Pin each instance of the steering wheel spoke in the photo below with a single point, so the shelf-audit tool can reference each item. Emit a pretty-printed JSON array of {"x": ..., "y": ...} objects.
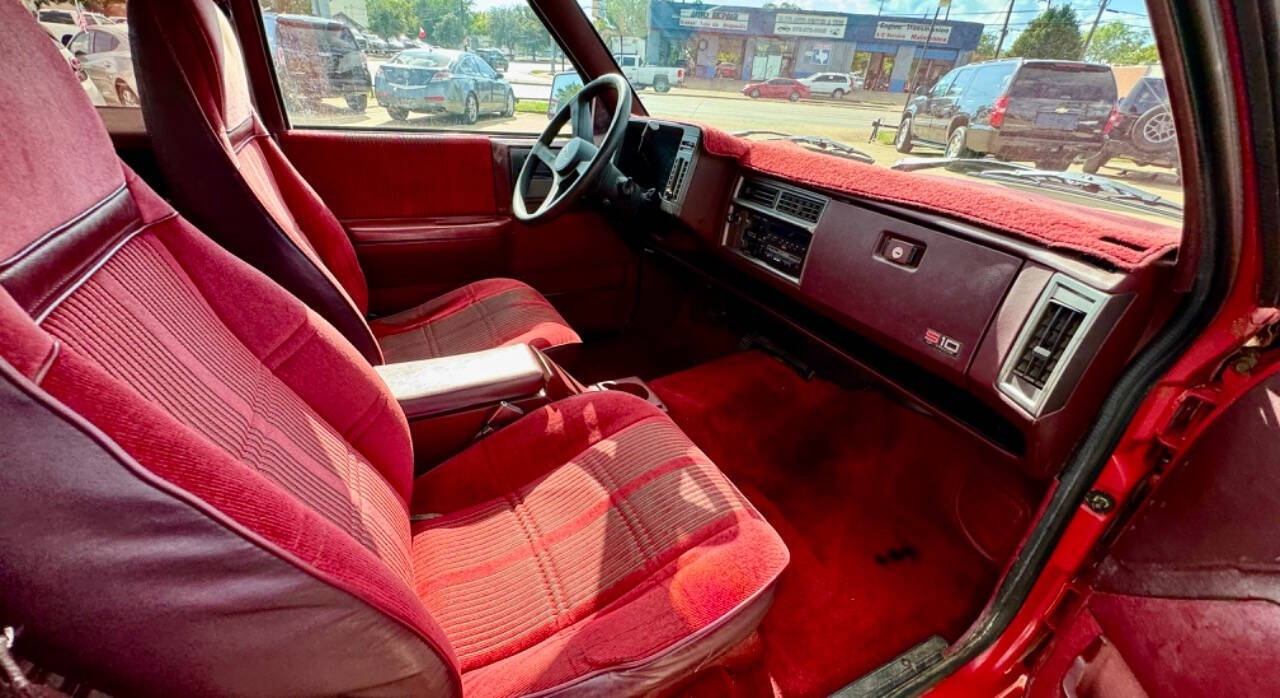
[
  {"x": 543, "y": 153},
  {"x": 580, "y": 121}
]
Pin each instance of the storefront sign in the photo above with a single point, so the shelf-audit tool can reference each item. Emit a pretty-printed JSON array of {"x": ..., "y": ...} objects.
[
  {"x": 715, "y": 20},
  {"x": 913, "y": 31},
  {"x": 820, "y": 54},
  {"x": 825, "y": 26}
]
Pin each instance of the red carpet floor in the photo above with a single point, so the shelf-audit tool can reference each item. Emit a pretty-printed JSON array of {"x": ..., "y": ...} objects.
[{"x": 865, "y": 492}]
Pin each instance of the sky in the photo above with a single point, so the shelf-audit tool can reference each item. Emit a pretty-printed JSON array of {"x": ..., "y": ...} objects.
[{"x": 989, "y": 12}]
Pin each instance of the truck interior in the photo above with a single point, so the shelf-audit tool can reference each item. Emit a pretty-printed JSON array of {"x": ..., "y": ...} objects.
[{"x": 634, "y": 406}]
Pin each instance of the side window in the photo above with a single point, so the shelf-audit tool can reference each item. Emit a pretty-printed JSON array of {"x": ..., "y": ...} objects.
[
  {"x": 941, "y": 88},
  {"x": 357, "y": 68},
  {"x": 963, "y": 79},
  {"x": 82, "y": 44}
]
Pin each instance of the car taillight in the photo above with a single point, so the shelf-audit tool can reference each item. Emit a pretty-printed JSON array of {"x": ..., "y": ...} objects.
[
  {"x": 1112, "y": 121},
  {"x": 679, "y": 73},
  {"x": 997, "y": 111}
]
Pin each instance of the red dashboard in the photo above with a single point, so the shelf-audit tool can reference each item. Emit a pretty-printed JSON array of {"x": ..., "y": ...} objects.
[{"x": 999, "y": 332}]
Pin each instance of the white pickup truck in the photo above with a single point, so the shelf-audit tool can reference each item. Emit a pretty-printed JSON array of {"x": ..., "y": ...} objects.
[{"x": 642, "y": 76}]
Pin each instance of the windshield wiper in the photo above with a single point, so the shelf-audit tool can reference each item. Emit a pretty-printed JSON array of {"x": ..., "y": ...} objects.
[
  {"x": 1076, "y": 184},
  {"x": 825, "y": 145}
]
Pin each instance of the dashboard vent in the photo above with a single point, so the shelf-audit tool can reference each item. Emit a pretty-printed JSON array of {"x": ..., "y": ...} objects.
[
  {"x": 1044, "y": 348},
  {"x": 805, "y": 208},
  {"x": 759, "y": 193},
  {"x": 676, "y": 180}
]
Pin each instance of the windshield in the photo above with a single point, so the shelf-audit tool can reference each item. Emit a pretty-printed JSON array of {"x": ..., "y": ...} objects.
[{"x": 1041, "y": 91}]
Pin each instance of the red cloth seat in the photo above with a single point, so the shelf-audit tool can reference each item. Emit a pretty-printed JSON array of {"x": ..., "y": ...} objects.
[
  {"x": 208, "y": 491},
  {"x": 608, "y": 550},
  {"x": 481, "y": 315},
  {"x": 229, "y": 176}
]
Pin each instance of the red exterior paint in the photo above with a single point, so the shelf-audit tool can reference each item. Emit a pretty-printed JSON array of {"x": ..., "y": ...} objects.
[{"x": 1001, "y": 667}]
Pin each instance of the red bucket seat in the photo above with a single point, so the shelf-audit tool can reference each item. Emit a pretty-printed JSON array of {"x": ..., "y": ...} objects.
[
  {"x": 230, "y": 177},
  {"x": 207, "y": 491}
]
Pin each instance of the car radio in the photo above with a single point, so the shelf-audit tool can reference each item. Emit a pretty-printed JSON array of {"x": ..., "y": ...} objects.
[{"x": 777, "y": 244}]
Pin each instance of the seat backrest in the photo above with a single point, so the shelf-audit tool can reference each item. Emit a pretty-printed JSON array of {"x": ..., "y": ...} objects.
[
  {"x": 225, "y": 171},
  {"x": 204, "y": 485}
]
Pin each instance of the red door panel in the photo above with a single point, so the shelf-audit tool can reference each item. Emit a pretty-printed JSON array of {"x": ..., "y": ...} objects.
[
  {"x": 1187, "y": 601},
  {"x": 430, "y": 212}
]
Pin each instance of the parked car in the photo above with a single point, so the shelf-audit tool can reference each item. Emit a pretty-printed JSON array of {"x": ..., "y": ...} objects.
[
  {"x": 317, "y": 58},
  {"x": 833, "y": 85},
  {"x": 729, "y": 71},
  {"x": 103, "y": 52},
  {"x": 777, "y": 88},
  {"x": 1140, "y": 128},
  {"x": 641, "y": 75},
  {"x": 91, "y": 89},
  {"x": 440, "y": 81},
  {"x": 1049, "y": 112},
  {"x": 494, "y": 58},
  {"x": 63, "y": 24}
]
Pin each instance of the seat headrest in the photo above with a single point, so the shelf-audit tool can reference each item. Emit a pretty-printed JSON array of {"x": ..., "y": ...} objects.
[
  {"x": 198, "y": 37},
  {"x": 58, "y": 158}
]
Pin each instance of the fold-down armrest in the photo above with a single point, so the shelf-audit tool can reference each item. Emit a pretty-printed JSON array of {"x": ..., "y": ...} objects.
[{"x": 452, "y": 383}]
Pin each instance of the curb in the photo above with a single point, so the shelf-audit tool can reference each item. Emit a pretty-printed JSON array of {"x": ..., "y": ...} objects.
[{"x": 845, "y": 103}]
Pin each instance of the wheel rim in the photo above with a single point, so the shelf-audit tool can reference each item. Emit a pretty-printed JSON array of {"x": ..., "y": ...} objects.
[
  {"x": 472, "y": 109},
  {"x": 902, "y": 132},
  {"x": 1159, "y": 129},
  {"x": 511, "y": 103},
  {"x": 953, "y": 145},
  {"x": 127, "y": 97}
]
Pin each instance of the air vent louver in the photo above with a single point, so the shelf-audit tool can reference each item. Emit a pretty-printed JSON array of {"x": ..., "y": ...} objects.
[
  {"x": 759, "y": 193},
  {"x": 804, "y": 208},
  {"x": 676, "y": 180},
  {"x": 1044, "y": 348}
]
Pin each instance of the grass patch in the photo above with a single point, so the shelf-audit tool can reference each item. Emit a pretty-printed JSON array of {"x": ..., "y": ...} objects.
[
  {"x": 885, "y": 136},
  {"x": 532, "y": 106}
]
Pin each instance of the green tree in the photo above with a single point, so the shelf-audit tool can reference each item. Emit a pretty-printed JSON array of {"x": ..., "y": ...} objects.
[
  {"x": 1054, "y": 34},
  {"x": 986, "y": 47},
  {"x": 1147, "y": 55},
  {"x": 391, "y": 17},
  {"x": 1114, "y": 43},
  {"x": 445, "y": 21},
  {"x": 623, "y": 17}
]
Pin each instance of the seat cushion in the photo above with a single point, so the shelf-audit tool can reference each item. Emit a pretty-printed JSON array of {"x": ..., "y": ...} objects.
[
  {"x": 589, "y": 547},
  {"x": 483, "y": 315}
]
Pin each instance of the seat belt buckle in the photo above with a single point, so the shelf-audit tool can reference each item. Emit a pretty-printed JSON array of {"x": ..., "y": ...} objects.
[{"x": 502, "y": 415}]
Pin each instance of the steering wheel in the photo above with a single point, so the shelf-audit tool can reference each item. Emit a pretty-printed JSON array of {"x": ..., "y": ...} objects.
[{"x": 580, "y": 164}]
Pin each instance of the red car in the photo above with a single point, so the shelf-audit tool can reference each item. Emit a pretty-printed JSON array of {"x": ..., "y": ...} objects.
[{"x": 777, "y": 88}]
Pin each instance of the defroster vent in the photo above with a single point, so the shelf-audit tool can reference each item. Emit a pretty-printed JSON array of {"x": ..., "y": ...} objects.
[{"x": 1047, "y": 343}]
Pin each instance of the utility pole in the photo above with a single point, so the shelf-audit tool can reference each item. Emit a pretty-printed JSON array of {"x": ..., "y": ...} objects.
[
  {"x": 1004, "y": 31},
  {"x": 1102, "y": 7},
  {"x": 928, "y": 38}
]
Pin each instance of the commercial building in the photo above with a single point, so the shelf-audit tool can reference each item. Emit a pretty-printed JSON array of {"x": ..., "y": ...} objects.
[{"x": 753, "y": 43}]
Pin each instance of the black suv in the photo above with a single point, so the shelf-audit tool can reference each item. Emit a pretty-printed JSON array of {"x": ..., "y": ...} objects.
[
  {"x": 1140, "y": 128},
  {"x": 494, "y": 58},
  {"x": 317, "y": 58},
  {"x": 1049, "y": 112}
]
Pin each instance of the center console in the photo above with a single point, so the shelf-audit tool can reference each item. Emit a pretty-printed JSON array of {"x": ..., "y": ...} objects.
[{"x": 771, "y": 224}]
